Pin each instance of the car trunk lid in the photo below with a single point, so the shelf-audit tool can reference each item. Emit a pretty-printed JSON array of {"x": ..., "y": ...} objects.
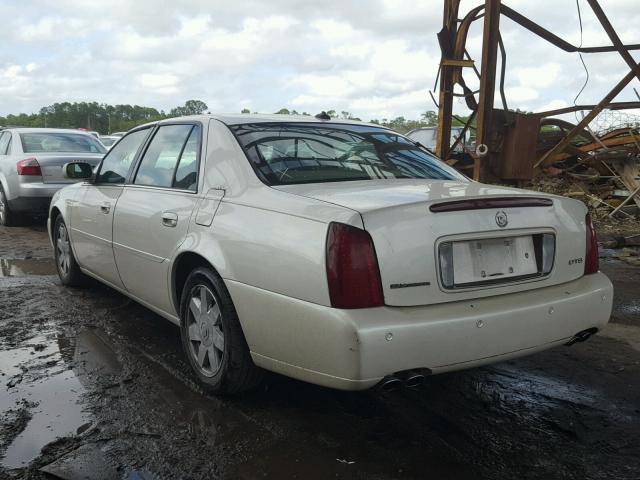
[
  {"x": 52, "y": 165},
  {"x": 409, "y": 220}
]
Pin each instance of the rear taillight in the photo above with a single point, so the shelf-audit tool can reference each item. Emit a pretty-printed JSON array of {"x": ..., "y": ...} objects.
[
  {"x": 352, "y": 268},
  {"x": 29, "y": 167},
  {"x": 592, "y": 262}
]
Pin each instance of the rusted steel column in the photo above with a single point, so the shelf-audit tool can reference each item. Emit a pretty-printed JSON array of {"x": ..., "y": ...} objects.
[
  {"x": 487, "y": 83},
  {"x": 447, "y": 38}
]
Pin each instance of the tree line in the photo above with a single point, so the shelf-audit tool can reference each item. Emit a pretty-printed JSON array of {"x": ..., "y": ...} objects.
[
  {"x": 106, "y": 119},
  {"x": 100, "y": 117}
]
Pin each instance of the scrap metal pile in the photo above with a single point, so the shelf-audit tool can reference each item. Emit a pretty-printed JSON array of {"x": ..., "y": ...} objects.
[
  {"x": 537, "y": 149},
  {"x": 601, "y": 169}
]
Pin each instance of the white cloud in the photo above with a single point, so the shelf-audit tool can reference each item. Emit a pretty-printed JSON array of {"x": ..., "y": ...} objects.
[
  {"x": 166, "y": 83},
  {"x": 375, "y": 59}
]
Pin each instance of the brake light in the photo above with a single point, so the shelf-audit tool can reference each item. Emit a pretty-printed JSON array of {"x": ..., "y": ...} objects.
[
  {"x": 352, "y": 268},
  {"x": 490, "y": 203},
  {"x": 592, "y": 261},
  {"x": 29, "y": 167}
]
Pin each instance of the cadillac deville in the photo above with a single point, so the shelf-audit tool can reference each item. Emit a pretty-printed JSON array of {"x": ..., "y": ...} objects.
[{"x": 335, "y": 252}]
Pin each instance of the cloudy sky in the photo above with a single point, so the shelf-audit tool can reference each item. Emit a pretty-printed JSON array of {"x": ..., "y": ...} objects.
[{"x": 374, "y": 58}]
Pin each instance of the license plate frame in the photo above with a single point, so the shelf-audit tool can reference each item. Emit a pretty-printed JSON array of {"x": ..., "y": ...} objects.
[{"x": 489, "y": 261}]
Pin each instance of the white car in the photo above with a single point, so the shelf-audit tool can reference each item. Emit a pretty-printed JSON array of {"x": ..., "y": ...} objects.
[
  {"x": 335, "y": 252},
  {"x": 108, "y": 140},
  {"x": 31, "y": 167},
  {"x": 428, "y": 137}
]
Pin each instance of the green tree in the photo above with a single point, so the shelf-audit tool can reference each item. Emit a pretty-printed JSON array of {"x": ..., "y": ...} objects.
[
  {"x": 429, "y": 117},
  {"x": 191, "y": 107}
]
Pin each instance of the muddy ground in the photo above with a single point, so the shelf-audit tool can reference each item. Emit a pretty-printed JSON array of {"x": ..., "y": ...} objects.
[{"x": 93, "y": 385}]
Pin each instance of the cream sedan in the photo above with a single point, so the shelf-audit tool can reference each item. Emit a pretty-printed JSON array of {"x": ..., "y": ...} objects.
[{"x": 335, "y": 252}]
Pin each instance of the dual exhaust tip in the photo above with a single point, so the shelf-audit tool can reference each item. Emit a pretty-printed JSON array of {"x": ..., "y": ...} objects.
[
  {"x": 415, "y": 378},
  {"x": 408, "y": 379}
]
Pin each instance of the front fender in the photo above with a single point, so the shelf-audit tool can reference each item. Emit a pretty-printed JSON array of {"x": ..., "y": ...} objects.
[{"x": 61, "y": 204}]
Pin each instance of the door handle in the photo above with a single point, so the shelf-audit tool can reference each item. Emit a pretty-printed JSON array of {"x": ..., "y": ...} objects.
[
  {"x": 169, "y": 219},
  {"x": 105, "y": 208}
]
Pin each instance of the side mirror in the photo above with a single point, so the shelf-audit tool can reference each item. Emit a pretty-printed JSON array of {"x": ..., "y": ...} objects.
[{"x": 77, "y": 171}]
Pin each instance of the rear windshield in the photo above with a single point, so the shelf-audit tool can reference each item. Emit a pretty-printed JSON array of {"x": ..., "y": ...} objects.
[
  {"x": 290, "y": 153},
  {"x": 56, "y": 142}
]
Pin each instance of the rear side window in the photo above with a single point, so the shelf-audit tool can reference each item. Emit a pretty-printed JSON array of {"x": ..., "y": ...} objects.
[
  {"x": 116, "y": 164},
  {"x": 56, "y": 142},
  {"x": 293, "y": 153},
  {"x": 171, "y": 159},
  {"x": 187, "y": 172},
  {"x": 5, "y": 142}
]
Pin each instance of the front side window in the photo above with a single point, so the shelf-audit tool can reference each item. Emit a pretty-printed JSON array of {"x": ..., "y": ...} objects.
[
  {"x": 58, "y": 142},
  {"x": 171, "y": 158},
  {"x": 290, "y": 153},
  {"x": 116, "y": 164}
]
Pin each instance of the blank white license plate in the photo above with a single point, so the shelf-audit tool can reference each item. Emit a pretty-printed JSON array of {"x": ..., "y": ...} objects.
[{"x": 493, "y": 259}]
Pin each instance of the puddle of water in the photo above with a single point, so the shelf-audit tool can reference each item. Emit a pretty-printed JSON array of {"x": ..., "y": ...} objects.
[
  {"x": 22, "y": 268},
  {"x": 39, "y": 374},
  {"x": 58, "y": 414}
]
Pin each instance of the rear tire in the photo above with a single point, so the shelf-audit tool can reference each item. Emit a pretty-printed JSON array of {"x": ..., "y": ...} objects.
[
  {"x": 212, "y": 337},
  {"x": 66, "y": 265},
  {"x": 6, "y": 216}
]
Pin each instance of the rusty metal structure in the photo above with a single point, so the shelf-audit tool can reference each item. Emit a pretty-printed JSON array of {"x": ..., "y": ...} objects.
[{"x": 507, "y": 140}]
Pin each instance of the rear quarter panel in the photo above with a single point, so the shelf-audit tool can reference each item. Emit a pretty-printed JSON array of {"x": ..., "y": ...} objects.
[
  {"x": 260, "y": 236},
  {"x": 264, "y": 243}
]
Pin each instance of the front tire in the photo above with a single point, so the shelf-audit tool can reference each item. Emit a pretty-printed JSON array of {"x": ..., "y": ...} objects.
[
  {"x": 66, "y": 265},
  {"x": 212, "y": 337}
]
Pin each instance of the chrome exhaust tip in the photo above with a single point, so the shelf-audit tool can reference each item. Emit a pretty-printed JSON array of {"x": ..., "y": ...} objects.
[
  {"x": 390, "y": 384},
  {"x": 413, "y": 380},
  {"x": 582, "y": 336}
]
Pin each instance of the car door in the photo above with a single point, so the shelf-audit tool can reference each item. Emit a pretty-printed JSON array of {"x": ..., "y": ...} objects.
[
  {"x": 153, "y": 212},
  {"x": 95, "y": 203}
]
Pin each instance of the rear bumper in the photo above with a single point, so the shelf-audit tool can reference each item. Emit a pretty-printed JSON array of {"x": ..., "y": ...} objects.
[
  {"x": 34, "y": 198},
  {"x": 355, "y": 349},
  {"x": 30, "y": 205}
]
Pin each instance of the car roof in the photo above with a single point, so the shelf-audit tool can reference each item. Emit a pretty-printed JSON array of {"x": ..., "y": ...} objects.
[{"x": 242, "y": 118}]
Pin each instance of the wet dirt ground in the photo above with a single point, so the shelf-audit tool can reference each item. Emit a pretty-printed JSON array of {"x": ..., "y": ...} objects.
[{"x": 93, "y": 385}]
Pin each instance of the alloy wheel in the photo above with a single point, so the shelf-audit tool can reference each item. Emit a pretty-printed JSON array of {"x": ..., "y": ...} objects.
[
  {"x": 204, "y": 327},
  {"x": 63, "y": 249}
]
